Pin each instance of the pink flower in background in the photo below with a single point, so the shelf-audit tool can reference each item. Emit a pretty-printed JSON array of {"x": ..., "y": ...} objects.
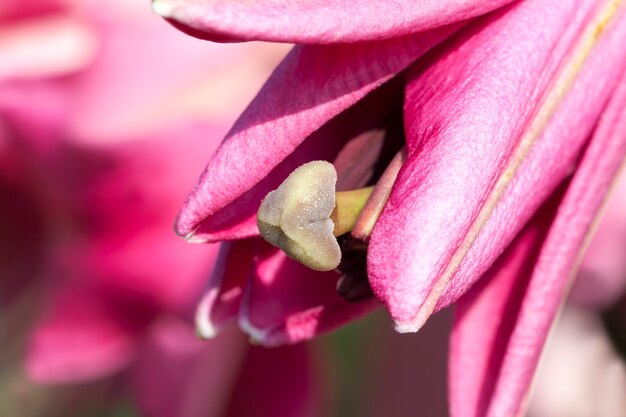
[
  {"x": 100, "y": 135},
  {"x": 104, "y": 207},
  {"x": 580, "y": 374},
  {"x": 514, "y": 127}
]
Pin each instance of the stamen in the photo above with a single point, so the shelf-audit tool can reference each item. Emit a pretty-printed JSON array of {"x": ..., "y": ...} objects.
[
  {"x": 353, "y": 285},
  {"x": 362, "y": 229}
]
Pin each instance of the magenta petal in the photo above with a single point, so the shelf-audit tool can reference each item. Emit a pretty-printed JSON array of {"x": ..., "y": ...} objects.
[
  {"x": 559, "y": 255},
  {"x": 456, "y": 222},
  {"x": 601, "y": 280},
  {"x": 286, "y": 302},
  {"x": 83, "y": 337},
  {"x": 485, "y": 317},
  {"x": 275, "y": 124},
  {"x": 124, "y": 197},
  {"x": 18, "y": 9},
  {"x": 315, "y": 21},
  {"x": 552, "y": 157},
  {"x": 506, "y": 392},
  {"x": 223, "y": 295}
]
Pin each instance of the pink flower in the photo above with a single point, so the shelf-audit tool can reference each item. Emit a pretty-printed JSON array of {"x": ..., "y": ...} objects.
[
  {"x": 99, "y": 137},
  {"x": 514, "y": 127},
  {"x": 102, "y": 205}
]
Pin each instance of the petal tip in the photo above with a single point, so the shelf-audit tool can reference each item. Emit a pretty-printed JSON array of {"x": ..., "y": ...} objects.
[
  {"x": 413, "y": 325},
  {"x": 163, "y": 8},
  {"x": 191, "y": 237},
  {"x": 256, "y": 335},
  {"x": 407, "y": 327},
  {"x": 262, "y": 337},
  {"x": 205, "y": 328}
]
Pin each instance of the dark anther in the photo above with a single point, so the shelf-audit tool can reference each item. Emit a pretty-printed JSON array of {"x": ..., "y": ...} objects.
[{"x": 353, "y": 284}]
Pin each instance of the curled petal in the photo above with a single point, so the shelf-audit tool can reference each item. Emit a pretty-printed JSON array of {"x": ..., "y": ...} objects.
[
  {"x": 221, "y": 301},
  {"x": 602, "y": 276},
  {"x": 487, "y": 313},
  {"x": 521, "y": 341},
  {"x": 519, "y": 132},
  {"x": 286, "y": 302},
  {"x": 559, "y": 256},
  {"x": 268, "y": 141},
  {"x": 315, "y": 21}
]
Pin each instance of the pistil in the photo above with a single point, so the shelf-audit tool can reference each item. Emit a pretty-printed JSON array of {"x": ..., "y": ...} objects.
[{"x": 305, "y": 214}]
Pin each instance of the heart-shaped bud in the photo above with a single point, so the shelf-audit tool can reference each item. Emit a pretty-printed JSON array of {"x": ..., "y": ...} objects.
[{"x": 296, "y": 216}]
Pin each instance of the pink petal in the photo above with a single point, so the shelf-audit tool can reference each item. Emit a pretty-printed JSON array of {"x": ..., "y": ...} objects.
[
  {"x": 131, "y": 83},
  {"x": 302, "y": 95},
  {"x": 118, "y": 201},
  {"x": 459, "y": 223},
  {"x": 286, "y": 302},
  {"x": 602, "y": 276},
  {"x": 315, "y": 21},
  {"x": 486, "y": 314},
  {"x": 225, "y": 290},
  {"x": 83, "y": 337},
  {"x": 70, "y": 46},
  {"x": 178, "y": 375},
  {"x": 18, "y": 9},
  {"x": 356, "y": 161},
  {"x": 121, "y": 198},
  {"x": 523, "y": 339},
  {"x": 559, "y": 256}
]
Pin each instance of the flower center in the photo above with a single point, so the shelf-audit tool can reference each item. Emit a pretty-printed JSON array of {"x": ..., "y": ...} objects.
[{"x": 325, "y": 229}]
